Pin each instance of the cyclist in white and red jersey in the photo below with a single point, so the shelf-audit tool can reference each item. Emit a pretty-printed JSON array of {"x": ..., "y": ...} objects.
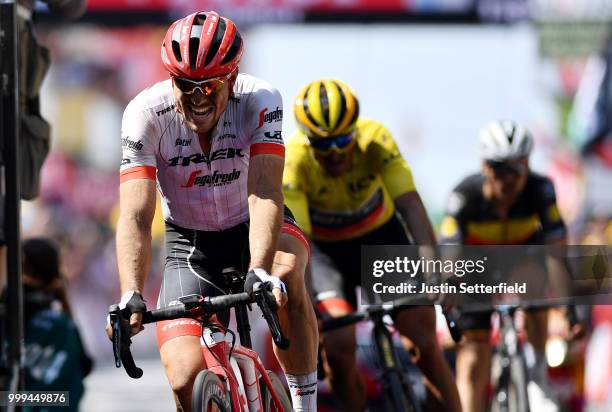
[{"x": 209, "y": 139}]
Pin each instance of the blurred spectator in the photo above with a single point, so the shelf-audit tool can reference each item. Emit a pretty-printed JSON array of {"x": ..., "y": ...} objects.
[
  {"x": 592, "y": 117},
  {"x": 599, "y": 129},
  {"x": 55, "y": 357},
  {"x": 598, "y": 373}
]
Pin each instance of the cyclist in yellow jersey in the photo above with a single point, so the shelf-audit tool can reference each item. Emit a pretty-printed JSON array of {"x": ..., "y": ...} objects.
[{"x": 346, "y": 183}]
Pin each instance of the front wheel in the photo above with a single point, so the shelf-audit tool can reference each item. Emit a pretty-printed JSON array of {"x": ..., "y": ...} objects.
[
  {"x": 209, "y": 394},
  {"x": 398, "y": 396},
  {"x": 510, "y": 395},
  {"x": 279, "y": 389}
]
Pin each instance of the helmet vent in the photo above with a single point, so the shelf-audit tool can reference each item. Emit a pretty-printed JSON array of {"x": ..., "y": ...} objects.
[
  {"x": 176, "y": 50},
  {"x": 324, "y": 103},
  {"x": 342, "y": 102},
  {"x": 216, "y": 42},
  {"x": 306, "y": 108},
  {"x": 200, "y": 19},
  {"x": 511, "y": 134},
  {"x": 233, "y": 51},
  {"x": 356, "y": 113},
  {"x": 194, "y": 42}
]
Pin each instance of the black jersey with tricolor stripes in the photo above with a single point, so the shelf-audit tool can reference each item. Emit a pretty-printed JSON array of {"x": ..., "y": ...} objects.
[{"x": 472, "y": 219}]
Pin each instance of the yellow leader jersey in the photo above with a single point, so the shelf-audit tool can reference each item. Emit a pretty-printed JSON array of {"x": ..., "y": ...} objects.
[{"x": 360, "y": 200}]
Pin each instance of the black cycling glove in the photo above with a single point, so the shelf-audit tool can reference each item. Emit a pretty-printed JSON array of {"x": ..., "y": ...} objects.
[{"x": 132, "y": 302}]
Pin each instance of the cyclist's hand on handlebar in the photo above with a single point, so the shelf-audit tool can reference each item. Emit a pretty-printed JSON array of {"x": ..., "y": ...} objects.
[
  {"x": 278, "y": 287},
  {"x": 132, "y": 306}
]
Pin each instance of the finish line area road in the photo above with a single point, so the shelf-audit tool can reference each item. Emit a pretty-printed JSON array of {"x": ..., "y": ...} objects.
[{"x": 110, "y": 389}]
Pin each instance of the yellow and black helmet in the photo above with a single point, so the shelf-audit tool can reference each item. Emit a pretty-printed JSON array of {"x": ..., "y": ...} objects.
[{"x": 326, "y": 108}]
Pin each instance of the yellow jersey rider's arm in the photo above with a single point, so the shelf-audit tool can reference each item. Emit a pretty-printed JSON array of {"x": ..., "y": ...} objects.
[
  {"x": 398, "y": 181},
  {"x": 411, "y": 208}
]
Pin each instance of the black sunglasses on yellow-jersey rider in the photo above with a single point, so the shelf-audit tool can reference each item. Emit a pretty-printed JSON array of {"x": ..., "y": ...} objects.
[{"x": 327, "y": 144}]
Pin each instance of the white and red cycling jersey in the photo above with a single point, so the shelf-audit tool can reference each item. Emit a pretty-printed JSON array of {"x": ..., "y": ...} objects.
[{"x": 199, "y": 191}]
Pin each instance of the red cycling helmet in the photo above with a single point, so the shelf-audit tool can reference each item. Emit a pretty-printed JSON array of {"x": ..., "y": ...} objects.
[{"x": 202, "y": 45}]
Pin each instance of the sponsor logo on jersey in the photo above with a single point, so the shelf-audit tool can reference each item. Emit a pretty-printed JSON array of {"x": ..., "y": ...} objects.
[
  {"x": 215, "y": 179},
  {"x": 125, "y": 161},
  {"x": 391, "y": 157},
  {"x": 277, "y": 135},
  {"x": 182, "y": 142},
  {"x": 227, "y": 124},
  {"x": 165, "y": 110},
  {"x": 269, "y": 117},
  {"x": 227, "y": 153},
  {"x": 361, "y": 184},
  {"x": 227, "y": 136},
  {"x": 131, "y": 144}
]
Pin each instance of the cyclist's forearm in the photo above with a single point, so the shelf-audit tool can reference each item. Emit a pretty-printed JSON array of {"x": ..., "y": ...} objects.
[
  {"x": 266, "y": 219},
  {"x": 133, "y": 252},
  {"x": 412, "y": 210}
]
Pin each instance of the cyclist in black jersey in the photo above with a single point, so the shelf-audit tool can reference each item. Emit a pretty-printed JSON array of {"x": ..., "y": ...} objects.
[
  {"x": 532, "y": 217},
  {"x": 505, "y": 204}
]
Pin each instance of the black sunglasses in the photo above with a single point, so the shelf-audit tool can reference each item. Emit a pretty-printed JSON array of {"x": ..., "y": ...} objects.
[{"x": 506, "y": 168}]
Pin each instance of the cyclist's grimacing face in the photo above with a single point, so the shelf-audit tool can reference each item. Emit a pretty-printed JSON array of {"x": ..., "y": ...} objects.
[
  {"x": 201, "y": 111},
  {"x": 507, "y": 180}
]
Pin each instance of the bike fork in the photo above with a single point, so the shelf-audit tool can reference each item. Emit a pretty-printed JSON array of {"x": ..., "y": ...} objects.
[{"x": 397, "y": 391}]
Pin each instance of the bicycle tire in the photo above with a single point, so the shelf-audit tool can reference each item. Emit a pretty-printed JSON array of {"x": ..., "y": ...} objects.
[
  {"x": 397, "y": 394},
  {"x": 209, "y": 391},
  {"x": 281, "y": 392},
  {"x": 512, "y": 395}
]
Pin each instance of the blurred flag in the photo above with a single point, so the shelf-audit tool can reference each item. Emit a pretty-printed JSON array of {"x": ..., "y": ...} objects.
[{"x": 593, "y": 106}]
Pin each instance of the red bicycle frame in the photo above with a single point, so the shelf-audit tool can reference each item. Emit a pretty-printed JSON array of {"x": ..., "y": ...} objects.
[{"x": 218, "y": 356}]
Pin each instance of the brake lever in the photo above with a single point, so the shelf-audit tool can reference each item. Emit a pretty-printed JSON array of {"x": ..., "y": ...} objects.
[
  {"x": 267, "y": 303},
  {"x": 114, "y": 317},
  {"x": 121, "y": 343}
]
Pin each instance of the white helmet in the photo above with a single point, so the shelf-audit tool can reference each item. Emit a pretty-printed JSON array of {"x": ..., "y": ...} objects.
[{"x": 505, "y": 140}]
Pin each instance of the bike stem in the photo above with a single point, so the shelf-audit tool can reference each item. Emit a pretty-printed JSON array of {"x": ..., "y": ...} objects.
[{"x": 242, "y": 317}]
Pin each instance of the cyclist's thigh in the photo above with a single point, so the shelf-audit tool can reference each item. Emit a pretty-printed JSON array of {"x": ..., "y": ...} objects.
[
  {"x": 335, "y": 276},
  {"x": 188, "y": 268},
  {"x": 194, "y": 261},
  {"x": 333, "y": 293},
  {"x": 182, "y": 359},
  {"x": 340, "y": 342},
  {"x": 293, "y": 252}
]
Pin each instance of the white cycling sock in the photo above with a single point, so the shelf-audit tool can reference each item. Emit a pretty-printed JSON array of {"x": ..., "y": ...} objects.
[{"x": 303, "y": 389}]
